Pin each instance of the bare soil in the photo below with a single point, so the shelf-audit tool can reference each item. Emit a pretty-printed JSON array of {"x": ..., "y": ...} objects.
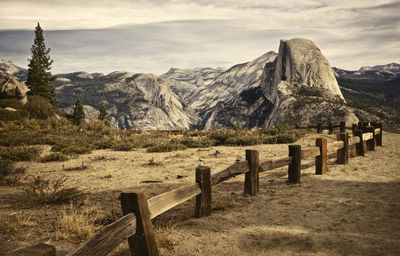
[{"x": 353, "y": 210}]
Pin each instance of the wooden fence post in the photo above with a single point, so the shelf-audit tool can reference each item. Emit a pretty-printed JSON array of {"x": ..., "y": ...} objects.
[
  {"x": 371, "y": 142},
  {"x": 342, "y": 126},
  {"x": 330, "y": 127},
  {"x": 143, "y": 242},
  {"x": 203, "y": 201},
  {"x": 251, "y": 178},
  {"x": 320, "y": 161},
  {"x": 295, "y": 164},
  {"x": 379, "y": 136},
  {"x": 359, "y": 146},
  {"x": 343, "y": 153},
  {"x": 319, "y": 128}
]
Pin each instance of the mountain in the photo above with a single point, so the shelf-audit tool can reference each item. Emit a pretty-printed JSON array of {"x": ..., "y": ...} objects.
[
  {"x": 216, "y": 86},
  {"x": 295, "y": 85},
  {"x": 373, "y": 93},
  {"x": 376, "y": 73},
  {"x": 134, "y": 101},
  {"x": 8, "y": 68}
]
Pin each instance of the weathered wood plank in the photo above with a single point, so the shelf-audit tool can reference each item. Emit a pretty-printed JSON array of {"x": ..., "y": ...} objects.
[
  {"x": 309, "y": 152},
  {"x": 379, "y": 136},
  {"x": 274, "y": 164},
  {"x": 335, "y": 146},
  {"x": 143, "y": 242},
  {"x": 203, "y": 200},
  {"x": 232, "y": 171},
  {"x": 295, "y": 165},
  {"x": 163, "y": 202},
  {"x": 321, "y": 159},
  {"x": 109, "y": 238},
  {"x": 343, "y": 153},
  {"x": 368, "y": 136},
  {"x": 371, "y": 142},
  {"x": 360, "y": 151},
  {"x": 354, "y": 140},
  {"x": 251, "y": 182}
]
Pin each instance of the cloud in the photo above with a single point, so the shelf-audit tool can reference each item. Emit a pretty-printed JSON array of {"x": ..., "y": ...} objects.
[{"x": 153, "y": 35}]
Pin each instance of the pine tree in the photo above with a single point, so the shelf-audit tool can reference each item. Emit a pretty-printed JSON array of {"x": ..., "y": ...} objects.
[
  {"x": 40, "y": 79},
  {"x": 103, "y": 116},
  {"x": 78, "y": 115}
]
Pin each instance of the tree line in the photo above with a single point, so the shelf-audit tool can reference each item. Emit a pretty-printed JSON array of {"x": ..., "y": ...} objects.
[{"x": 40, "y": 80}]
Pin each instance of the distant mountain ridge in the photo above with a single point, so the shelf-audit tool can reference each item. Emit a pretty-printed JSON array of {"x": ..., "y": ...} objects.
[{"x": 286, "y": 87}]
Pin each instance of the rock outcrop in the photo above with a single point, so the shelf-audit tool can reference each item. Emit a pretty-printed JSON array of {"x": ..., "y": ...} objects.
[
  {"x": 296, "y": 86},
  {"x": 300, "y": 63},
  {"x": 134, "y": 101},
  {"x": 302, "y": 86},
  {"x": 12, "y": 88}
]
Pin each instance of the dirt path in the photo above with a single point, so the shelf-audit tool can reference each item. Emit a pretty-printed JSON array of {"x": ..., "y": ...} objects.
[{"x": 353, "y": 210}]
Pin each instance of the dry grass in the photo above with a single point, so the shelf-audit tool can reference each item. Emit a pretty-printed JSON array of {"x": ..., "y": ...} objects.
[
  {"x": 44, "y": 191},
  {"x": 77, "y": 224},
  {"x": 164, "y": 234},
  {"x": 223, "y": 202},
  {"x": 17, "y": 221}
]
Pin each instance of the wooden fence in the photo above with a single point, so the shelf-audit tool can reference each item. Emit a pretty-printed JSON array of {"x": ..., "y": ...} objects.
[{"x": 138, "y": 210}]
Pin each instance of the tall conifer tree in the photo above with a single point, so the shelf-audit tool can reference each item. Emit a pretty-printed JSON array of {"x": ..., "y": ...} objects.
[
  {"x": 40, "y": 79},
  {"x": 79, "y": 114},
  {"x": 103, "y": 116}
]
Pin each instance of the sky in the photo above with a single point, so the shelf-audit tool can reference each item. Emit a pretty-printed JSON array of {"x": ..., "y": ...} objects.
[{"x": 154, "y": 35}]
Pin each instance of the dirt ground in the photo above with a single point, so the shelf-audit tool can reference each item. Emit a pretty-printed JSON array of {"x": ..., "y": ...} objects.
[{"x": 353, "y": 210}]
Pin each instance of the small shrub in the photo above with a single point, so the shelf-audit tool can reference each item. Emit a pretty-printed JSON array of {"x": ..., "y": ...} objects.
[
  {"x": 96, "y": 126},
  {"x": 11, "y": 103},
  {"x": 220, "y": 136},
  {"x": 43, "y": 191},
  {"x": 60, "y": 123},
  {"x": 103, "y": 143},
  {"x": 123, "y": 145},
  {"x": 166, "y": 147},
  {"x": 38, "y": 107},
  {"x": 310, "y": 91},
  {"x": 244, "y": 140},
  {"x": 56, "y": 156},
  {"x": 6, "y": 168},
  {"x": 19, "y": 153},
  {"x": 6, "y": 115},
  {"x": 200, "y": 143},
  {"x": 73, "y": 147},
  {"x": 31, "y": 124}
]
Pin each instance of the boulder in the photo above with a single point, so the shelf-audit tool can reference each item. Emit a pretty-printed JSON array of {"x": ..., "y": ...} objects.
[
  {"x": 301, "y": 63},
  {"x": 12, "y": 88}
]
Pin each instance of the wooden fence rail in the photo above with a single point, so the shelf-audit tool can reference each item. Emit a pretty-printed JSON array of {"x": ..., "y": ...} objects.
[{"x": 138, "y": 211}]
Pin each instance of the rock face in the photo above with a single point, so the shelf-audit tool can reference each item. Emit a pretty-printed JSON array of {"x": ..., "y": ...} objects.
[
  {"x": 214, "y": 88},
  {"x": 297, "y": 86},
  {"x": 142, "y": 101},
  {"x": 302, "y": 86},
  {"x": 12, "y": 88},
  {"x": 300, "y": 63},
  {"x": 8, "y": 68},
  {"x": 294, "y": 86}
]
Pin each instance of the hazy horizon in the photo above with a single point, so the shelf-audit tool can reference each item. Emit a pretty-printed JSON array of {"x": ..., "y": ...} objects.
[{"x": 153, "y": 36}]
